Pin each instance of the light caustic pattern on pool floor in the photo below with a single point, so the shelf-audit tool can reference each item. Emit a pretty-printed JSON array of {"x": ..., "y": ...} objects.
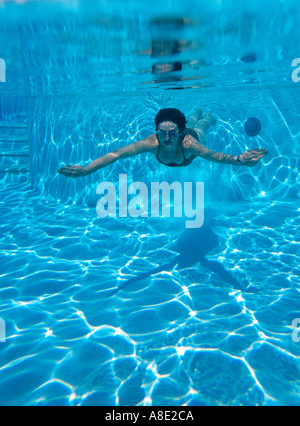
[{"x": 179, "y": 337}]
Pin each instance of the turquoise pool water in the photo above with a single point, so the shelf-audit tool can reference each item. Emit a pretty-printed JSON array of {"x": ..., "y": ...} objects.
[{"x": 82, "y": 81}]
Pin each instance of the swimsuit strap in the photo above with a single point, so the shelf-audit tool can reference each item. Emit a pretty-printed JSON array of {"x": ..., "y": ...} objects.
[{"x": 184, "y": 133}]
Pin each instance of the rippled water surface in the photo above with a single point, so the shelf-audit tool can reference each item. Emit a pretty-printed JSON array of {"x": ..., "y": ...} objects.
[{"x": 214, "y": 331}]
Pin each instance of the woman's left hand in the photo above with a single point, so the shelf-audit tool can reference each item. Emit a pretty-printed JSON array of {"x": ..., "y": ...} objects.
[{"x": 252, "y": 157}]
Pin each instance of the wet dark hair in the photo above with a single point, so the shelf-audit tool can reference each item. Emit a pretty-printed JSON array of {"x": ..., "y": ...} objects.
[{"x": 171, "y": 114}]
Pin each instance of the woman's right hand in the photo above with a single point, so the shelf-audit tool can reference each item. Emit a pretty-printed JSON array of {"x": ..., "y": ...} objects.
[
  {"x": 252, "y": 157},
  {"x": 73, "y": 171}
]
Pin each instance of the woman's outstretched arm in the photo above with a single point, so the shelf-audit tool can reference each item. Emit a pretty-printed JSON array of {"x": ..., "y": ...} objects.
[
  {"x": 248, "y": 158},
  {"x": 140, "y": 147}
]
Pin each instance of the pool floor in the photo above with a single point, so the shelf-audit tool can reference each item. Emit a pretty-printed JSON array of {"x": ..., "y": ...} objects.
[{"x": 180, "y": 337}]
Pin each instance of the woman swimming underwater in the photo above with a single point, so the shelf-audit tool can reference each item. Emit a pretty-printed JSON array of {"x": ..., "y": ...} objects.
[{"x": 176, "y": 143}]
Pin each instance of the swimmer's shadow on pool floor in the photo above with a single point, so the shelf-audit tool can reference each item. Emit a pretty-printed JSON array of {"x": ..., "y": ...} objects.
[{"x": 193, "y": 246}]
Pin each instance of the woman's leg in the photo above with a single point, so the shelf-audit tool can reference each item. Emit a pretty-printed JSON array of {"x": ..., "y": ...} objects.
[
  {"x": 194, "y": 118},
  {"x": 203, "y": 125}
]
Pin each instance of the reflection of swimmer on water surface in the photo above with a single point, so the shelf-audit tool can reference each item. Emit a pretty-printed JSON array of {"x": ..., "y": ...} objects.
[
  {"x": 168, "y": 47},
  {"x": 168, "y": 40},
  {"x": 176, "y": 143}
]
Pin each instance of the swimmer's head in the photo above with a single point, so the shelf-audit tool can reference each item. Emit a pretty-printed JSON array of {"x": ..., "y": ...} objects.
[{"x": 173, "y": 115}]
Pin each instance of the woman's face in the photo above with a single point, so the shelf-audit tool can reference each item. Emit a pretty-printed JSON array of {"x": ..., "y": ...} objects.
[{"x": 168, "y": 134}]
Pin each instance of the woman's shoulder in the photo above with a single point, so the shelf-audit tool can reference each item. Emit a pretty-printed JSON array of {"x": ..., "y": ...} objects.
[
  {"x": 190, "y": 139},
  {"x": 151, "y": 142},
  {"x": 191, "y": 133}
]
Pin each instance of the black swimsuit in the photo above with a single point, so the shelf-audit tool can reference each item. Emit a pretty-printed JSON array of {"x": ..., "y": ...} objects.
[{"x": 186, "y": 161}]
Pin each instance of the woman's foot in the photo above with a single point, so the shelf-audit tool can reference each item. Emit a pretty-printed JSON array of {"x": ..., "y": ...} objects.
[
  {"x": 204, "y": 124},
  {"x": 211, "y": 118},
  {"x": 194, "y": 118}
]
